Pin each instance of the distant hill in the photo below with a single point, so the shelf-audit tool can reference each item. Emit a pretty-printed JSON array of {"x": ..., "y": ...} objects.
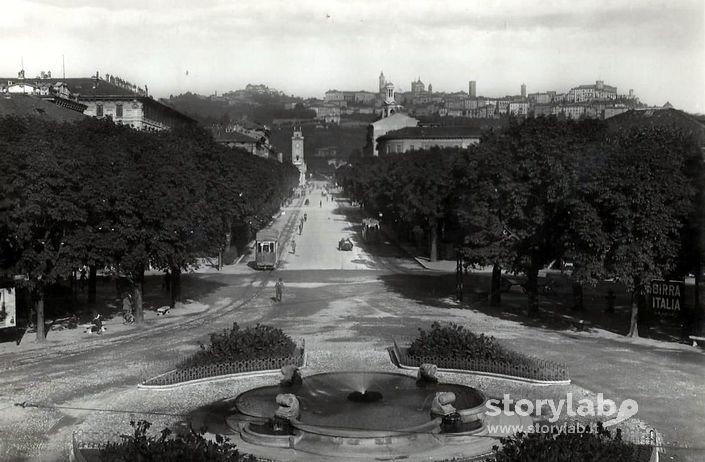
[{"x": 238, "y": 105}]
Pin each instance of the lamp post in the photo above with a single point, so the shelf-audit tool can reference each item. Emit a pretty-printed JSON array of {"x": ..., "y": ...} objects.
[{"x": 459, "y": 274}]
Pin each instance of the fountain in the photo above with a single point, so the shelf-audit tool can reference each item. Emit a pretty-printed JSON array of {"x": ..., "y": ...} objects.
[{"x": 328, "y": 413}]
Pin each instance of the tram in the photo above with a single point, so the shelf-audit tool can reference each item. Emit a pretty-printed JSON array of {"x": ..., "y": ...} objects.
[
  {"x": 267, "y": 249},
  {"x": 370, "y": 230}
]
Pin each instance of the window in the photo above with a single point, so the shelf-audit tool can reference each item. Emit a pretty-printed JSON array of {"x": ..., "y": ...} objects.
[
  {"x": 118, "y": 110},
  {"x": 99, "y": 110}
]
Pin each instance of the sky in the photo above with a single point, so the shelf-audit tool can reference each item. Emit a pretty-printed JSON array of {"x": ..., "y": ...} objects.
[{"x": 305, "y": 47}]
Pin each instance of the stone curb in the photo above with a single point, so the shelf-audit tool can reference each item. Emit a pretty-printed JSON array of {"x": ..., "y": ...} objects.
[{"x": 207, "y": 380}]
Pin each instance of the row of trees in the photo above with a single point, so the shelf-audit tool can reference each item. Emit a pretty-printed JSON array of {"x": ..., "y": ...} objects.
[
  {"x": 619, "y": 204},
  {"x": 98, "y": 194}
]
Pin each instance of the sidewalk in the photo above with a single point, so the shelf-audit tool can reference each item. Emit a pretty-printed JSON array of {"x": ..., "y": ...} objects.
[{"x": 445, "y": 266}]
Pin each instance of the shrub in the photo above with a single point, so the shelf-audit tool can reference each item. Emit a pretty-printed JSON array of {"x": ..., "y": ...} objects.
[
  {"x": 258, "y": 342},
  {"x": 190, "y": 446},
  {"x": 453, "y": 347},
  {"x": 589, "y": 445},
  {"x": 455, "y": 342}
]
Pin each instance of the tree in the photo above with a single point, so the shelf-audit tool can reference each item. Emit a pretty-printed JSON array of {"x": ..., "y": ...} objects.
[
  {"x": 646, "y": 199},
  {"x": 41, "y": 212},
  {"x": 529, "y": 183}
]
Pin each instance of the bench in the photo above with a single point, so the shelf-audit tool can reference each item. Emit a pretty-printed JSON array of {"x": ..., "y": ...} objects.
[
  {"x": 88, "y": 329},
  {"x": 696, "y": 339},
  {"x": 163, "y": 310}
]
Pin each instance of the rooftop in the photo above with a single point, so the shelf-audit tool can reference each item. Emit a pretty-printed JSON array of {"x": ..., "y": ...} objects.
[
  {"x": 432, "y": 133},
  {"x": 31, "y": 106},
  {"x": 667, "y": 117},
  {"x": 84, "y": 86},
  {"x": 221, "y": 136}
]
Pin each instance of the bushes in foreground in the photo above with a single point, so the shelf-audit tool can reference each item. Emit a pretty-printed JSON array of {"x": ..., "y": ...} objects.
[
  {"x": 189, "y": 446},
  {"x": 588, "y": 445},
  {"x": 236, "y": 344}
]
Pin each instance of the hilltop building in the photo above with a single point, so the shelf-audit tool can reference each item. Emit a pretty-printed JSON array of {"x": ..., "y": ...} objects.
[
  {"x": 598, "y": 91},
  {"x": 418, "y": 87}
]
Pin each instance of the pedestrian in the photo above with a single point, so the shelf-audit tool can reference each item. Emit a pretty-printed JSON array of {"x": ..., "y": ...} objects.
[
  {"x": 166, "y": 282},
  {"x": 279, "y": 288},
  {"x": 301, "y": 228},
  {"x": 293, "y": 246},
  {"x": 82, "y": 281},
  {"x": 320, "y": 204},
  {"x": 97, "y": 324},
  {"x": 305, "y": 217}
]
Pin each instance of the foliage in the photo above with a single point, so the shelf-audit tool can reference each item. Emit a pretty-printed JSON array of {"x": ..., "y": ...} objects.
[
  {"x": 597, "y": 445},
  {"x": 258, "y": 342},
  {"x": 624, "y": 204},
  {"x": 456, "y": 342},
  {"x": 96, "y": 193},
  {"x": 189, "y": 446},
  {"x": 420, "y": 191}
]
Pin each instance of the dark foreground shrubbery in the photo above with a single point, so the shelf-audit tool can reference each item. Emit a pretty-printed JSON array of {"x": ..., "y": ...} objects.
[
  {"x": 258, "y": 342},
  {"x": 182, "y": 447},
  {"x": 598, "y": 445}
]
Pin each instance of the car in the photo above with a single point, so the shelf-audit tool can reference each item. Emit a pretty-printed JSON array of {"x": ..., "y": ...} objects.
[
  {"x": 557, "y": 274},
  {"x": 345, "y": 244}
]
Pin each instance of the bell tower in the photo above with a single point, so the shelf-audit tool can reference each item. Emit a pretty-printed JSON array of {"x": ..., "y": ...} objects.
[
  {"x": 382, "y": 83},
  {"x": 297, "y": 154},
  {"x": 390, "y": 106}
]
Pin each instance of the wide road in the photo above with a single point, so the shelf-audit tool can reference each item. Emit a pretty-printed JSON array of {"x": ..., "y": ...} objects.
[{"x": 346, "y": 305}]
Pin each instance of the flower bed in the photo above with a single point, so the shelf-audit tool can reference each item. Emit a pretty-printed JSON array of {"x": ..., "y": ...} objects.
[
  {"x": 258, "y": 342},
  {"x": 258, "y": 348},
  {"x": 452, "y": 347}
]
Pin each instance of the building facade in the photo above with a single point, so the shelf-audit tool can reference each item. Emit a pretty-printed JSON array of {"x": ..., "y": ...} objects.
[
  {"x": 415, "y": 138},
  {"x": 418, "y": 87},
  {"x": 383, "y": 126}
]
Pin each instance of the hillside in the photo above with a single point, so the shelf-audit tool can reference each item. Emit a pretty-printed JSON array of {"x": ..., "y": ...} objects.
[{"x": 239, "y": 105}]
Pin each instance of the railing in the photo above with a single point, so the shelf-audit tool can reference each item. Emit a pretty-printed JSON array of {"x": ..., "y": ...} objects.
[
  {"x": 235, "y": 367},
  {"x": 533, "y": 368}
]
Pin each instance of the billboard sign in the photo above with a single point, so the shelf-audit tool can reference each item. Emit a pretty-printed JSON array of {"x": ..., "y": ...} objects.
[
  {"x": 8, "y": 307},
  {"x": 667, "y": 297}
]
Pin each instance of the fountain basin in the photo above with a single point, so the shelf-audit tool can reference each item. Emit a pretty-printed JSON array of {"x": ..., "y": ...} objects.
[{"x": 402, "y": 407}]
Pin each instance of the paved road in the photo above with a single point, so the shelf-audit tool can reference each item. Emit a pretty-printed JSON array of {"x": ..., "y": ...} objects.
[{"x": 345, "y": 304}]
